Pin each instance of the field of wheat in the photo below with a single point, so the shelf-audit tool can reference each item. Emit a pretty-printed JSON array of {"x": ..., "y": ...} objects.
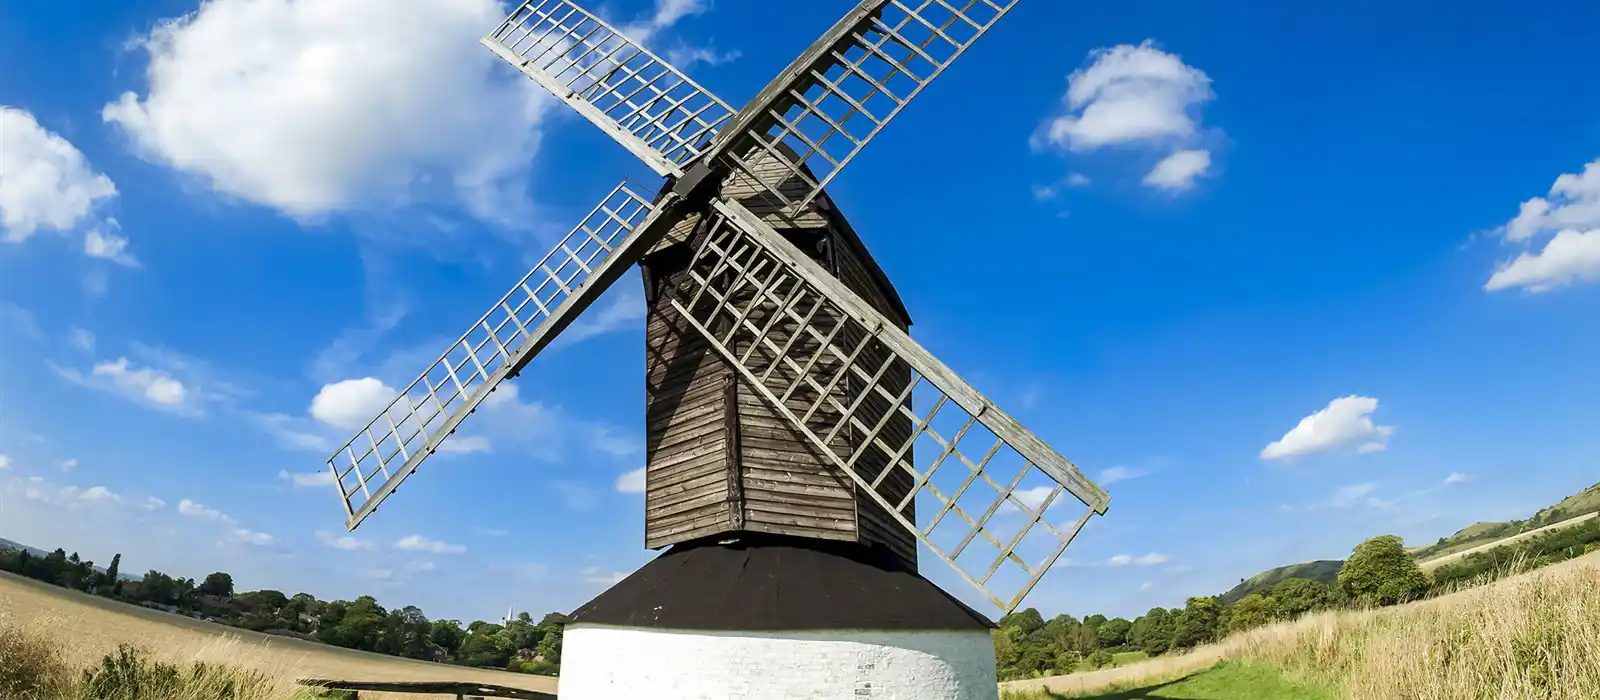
[
  {"x": 1533, "y": 635},
  {"x": 80, "y": 629}
]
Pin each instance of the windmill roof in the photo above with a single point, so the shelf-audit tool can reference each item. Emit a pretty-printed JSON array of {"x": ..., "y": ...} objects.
[{"x": 758, "y": 581}]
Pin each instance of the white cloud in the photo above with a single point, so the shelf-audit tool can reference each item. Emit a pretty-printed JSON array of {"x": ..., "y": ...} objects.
[
  {"x": 81, "y": 339},
  {"x": 1573, "y": 203},
  {"x": 148, "y": 385},
  {"x": 250, "y": 537},
  {"x": 1147, "y": 585},
  {"x": 418, "y": 543},
  {"x": 199, "y": 512},
  {"x": 67, "y": 465},
  {"x": 101, "y": 242},
  {"x": 99, "y": 493},
  {"x": 1139, "y": 97},
  {"x": 1129, "y": 94},
  {"x": 1177, "y": 172},
  {"x": 1570, "y": 257},
  {"x": 1120, "y": 560},
  {"x": 152, "y": 503},
  {"x": 1571, "y": 212},
  {"x": 294, "y": 433},
  {"x": 314, "y": 479},
  {"x": 624, "y": 311},
  {"x": 5, "y": 462},
  {"x": 344, "y": 542},
  {"x": 417, "y": 566},
  {"x": 1345, "y": 421},
  {"x": 352, "y": 403},
  {"x": 631, "y": 482},
  {"x": 311, "y": 109},
  {"x": 1115, "y": 474},
  {"x": 465, "y": 445},
  {"x": 1456, "y": 478},
  {"x": 48, "y": 184},
  {"x": 1152, "y": 559}
]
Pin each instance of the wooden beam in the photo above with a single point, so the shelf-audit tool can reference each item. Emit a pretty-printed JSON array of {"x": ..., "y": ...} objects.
[{"x": 456, "y": 688}]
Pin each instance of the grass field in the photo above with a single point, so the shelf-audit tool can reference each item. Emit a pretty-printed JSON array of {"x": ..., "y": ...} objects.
[
  {"x": 86, "y": 627},
  {"x": 1534, "y": 635}
]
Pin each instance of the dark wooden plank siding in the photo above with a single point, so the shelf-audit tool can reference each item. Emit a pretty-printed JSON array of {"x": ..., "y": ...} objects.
[{"x": 686, "y": 456}]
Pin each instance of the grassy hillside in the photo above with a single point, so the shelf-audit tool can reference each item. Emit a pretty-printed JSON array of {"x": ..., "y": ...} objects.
[
  {"x": 1322, "y": 571},
  {"x": 1530, "y": 636}
]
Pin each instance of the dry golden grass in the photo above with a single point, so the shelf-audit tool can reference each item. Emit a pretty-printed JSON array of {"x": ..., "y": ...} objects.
[
  {"x": 1534, "y": 635},
  {"x": 85, "y": 628}
]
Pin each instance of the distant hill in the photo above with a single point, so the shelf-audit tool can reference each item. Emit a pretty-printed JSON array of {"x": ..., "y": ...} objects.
[
  {"x": 35, "y": 551},
  {"x": 8, "y": 544},
  {"x": 1474, "y": 535},
  {"x": 1322, "y": 571},
  {"x": 1482, "y": 533}
]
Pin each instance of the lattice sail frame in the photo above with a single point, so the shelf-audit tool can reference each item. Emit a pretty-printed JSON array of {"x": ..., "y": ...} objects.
[
  {"x": 746, "y": 281},
  {"x": 569, "y": 278},
  {"x": 869, "y": 65},
  {"x": 643, "y": 102}
]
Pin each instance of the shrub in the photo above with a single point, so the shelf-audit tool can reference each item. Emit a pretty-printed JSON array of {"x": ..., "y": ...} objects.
[{"x": 30, "y": 667}]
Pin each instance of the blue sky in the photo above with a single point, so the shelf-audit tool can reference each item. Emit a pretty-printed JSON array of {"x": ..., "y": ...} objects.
[{"x": 1280, "y": 278}]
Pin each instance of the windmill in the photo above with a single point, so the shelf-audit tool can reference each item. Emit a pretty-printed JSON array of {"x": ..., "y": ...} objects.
[{"x": 792, "y": 423}]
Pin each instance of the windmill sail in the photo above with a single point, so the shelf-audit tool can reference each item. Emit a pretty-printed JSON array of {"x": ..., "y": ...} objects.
[
  {"x": 647, "y": 105},
  {"x": 842, "y": 91},
  {"x": 572, "y": 276},
  {"x": 796, "y": 336}
]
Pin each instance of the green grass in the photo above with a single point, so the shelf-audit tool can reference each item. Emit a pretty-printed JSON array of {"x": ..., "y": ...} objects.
[{"x": 1228, "y": 680}]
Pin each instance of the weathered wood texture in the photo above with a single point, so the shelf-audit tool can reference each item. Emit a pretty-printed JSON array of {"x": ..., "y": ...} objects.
[
  {"x": 686, "y": 437},
  {"x": 719, "y": 459}
]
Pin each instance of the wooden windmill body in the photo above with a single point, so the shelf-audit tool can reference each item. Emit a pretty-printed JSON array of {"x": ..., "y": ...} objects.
[
  {"x": 785, "y": 454},
  {"x": 719, "y": 459}
]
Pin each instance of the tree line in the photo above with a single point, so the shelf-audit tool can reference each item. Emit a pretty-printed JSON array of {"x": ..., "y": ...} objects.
[
  {"x": 1379, "y": 572},
  {"x": 523, "y": 645}
]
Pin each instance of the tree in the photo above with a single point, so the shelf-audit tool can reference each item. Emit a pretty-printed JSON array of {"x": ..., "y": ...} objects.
[
  {"x": 219, "y": 584},
  {"x": 1113, "y": 632},
  {"x": 1152, "y": 632},
  {"x": 1381, "y": 572},
  {"x": 1027, "y": 621},
  {"x": 1253, "y": 610},
  {"x": 1199, "y": 623},
  {"x": 1297, "y": 596}
]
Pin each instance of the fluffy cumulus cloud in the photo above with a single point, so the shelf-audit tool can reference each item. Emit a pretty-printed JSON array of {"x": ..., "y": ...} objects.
[
  {"x": 5, "y": 462},
  {"x": 1567, "y": 221},
  {"x": 418, "y": 543},
  {"x": 48, "y": 184},
  {"x": 103, "y": 242},
  {"x": 352, "y": 403},
  {"x": 317, "y": 106},
  {"x": 1140, "y": 97},
  {"x": 1344, "y": 422},
  {"x": 1457, "y": 478}
]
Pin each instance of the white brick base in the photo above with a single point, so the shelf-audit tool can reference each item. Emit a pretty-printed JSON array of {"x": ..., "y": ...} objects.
[{"x": 602, "y": 662}]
